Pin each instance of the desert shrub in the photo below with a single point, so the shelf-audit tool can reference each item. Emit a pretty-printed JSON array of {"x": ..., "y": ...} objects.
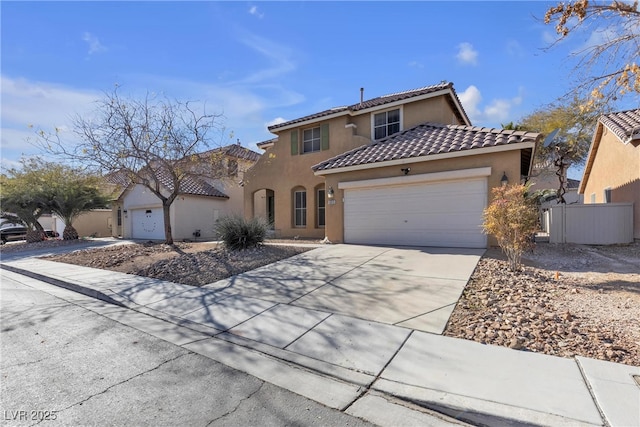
[
  {"x": 239, "y": 233},
  {"x": 512, "y": 218}
]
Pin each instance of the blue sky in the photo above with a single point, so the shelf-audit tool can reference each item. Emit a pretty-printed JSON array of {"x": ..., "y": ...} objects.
[{"x": 259, "y": 63}]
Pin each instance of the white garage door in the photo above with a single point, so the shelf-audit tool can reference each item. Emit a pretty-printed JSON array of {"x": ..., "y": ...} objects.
[
  {"x": 444, "y": 214},
  {"x": 147, "y": 224}
]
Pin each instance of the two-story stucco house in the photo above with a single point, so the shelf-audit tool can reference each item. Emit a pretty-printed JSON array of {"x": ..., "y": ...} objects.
[{"x": 401, "y": 169}]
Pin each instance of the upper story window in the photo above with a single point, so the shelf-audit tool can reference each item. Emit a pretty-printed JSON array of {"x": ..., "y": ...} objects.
[
  {"x": 311, "y": 140},
  {"x": 386, "y": 123}
]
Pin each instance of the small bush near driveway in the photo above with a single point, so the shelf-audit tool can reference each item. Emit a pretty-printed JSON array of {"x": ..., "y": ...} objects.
[
  {"x": 238, "y": 233},
  {"x": 512, "y": 218}
]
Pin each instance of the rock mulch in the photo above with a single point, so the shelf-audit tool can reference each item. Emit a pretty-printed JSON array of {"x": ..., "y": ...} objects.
[
  {"x": 194, "y": 264},
  {"x": 561, "y": 313}
]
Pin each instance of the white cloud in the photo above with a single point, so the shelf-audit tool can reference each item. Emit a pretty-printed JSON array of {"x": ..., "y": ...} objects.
[
  {"x": 514, "y": 48},
  {"x": 94, "y": 44},
  {"x": 253, "y": 10},
  {"x": 496, "y": 112},
  {"x": 41, "y": 104},
  {"x": 279, "y": 56},
  {"x": 275, "y": 121},
  {"x": 415, "y": 64},
  {"x": 467, "y": 54},
  {"x": 598, "y": 38},
  {"x": 471, "y": 99},
  {"x": 28, "y": 106}
]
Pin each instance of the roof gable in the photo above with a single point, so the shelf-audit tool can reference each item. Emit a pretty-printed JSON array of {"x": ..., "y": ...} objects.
[
  {"x": 233, "y": 150},
  {"x": 624, "y": 124},
  {"x": 425, "y": 140},
  {"x": 434, "y": 90},
  {"x": 189, "y": 185}
]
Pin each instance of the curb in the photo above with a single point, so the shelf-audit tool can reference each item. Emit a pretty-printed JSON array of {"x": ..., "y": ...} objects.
[{"x": 66, "y": 285}]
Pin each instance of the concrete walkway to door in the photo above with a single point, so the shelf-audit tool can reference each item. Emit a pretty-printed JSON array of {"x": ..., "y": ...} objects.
[{"x": 412, "y": 287}]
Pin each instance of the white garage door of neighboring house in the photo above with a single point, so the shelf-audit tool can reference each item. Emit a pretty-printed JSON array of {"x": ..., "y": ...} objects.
[
  {"x": 147, "y": 224},
  {"x": 443, "y": 214}
]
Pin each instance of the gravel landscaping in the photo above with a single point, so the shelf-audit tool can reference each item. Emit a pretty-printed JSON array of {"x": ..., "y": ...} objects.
[
  {"x": 195, "y": 264},
  {"x": 569, "y": 300}
]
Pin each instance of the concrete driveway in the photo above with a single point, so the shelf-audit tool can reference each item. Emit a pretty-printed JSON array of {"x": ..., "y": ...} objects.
[{"x": 415, "y": 288}]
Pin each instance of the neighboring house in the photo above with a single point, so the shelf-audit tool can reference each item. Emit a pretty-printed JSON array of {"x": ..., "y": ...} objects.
[
  {"x": 544, "y": 177},
  {"x": 612, "y": 171},
  {"x": 401, "y": 169},
  {"x": 204, "y": 197}
]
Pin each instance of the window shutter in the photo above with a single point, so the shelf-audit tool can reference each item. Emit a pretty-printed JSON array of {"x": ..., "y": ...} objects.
[
  {"x": 294, "y": 142},
  {"x": 324, "y": 136}
]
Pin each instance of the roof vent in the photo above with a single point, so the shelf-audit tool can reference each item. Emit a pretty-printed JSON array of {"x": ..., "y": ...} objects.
[{"x": 361, "y": 96}]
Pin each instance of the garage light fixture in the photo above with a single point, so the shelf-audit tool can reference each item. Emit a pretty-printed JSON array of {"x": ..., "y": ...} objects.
[
  {"x": 330, "y": 193},
  {"x": 504, "y": 180}
]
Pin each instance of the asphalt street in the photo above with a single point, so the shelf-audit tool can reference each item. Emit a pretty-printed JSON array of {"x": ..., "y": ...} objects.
[{"x": 62, "y": 364}]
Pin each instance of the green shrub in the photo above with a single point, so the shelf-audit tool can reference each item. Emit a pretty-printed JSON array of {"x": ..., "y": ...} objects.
[{"x": 239, "y": 233}]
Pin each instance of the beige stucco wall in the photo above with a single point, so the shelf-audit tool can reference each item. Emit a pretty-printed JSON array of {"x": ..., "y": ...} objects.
[
  {"x": 282, "y": 172},
  {"x": 191, "y": 213},
  {"x": 95, "y": 223},
  {"x": 616, "y": 166},
  {"x": 502, "y": 162}
]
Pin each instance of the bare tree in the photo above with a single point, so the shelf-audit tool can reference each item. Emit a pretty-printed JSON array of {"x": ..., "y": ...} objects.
[
  {"x": 154, "y": 141},
  {"x": 607, "y": 67}
]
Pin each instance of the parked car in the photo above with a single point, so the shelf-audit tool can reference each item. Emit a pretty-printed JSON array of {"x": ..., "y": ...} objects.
[{"x": 10, "y": 231}]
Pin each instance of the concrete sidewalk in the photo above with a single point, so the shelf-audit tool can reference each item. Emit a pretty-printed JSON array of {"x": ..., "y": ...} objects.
[{"x": 300, "y": 324}]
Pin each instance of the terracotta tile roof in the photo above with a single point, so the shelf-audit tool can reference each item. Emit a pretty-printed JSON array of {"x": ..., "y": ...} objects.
[
  {"x": 234, "y": 150},
  {"x": 119, "y": 178},
  {"x": 381, "y": 100},
  {"x": 267, "y": 142},
  {"x": 190, "y": 185},
  {"x": 625, "y": 124},
  {"x": 119, "y": 181},
  {"x": 426, "y": 140}
]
